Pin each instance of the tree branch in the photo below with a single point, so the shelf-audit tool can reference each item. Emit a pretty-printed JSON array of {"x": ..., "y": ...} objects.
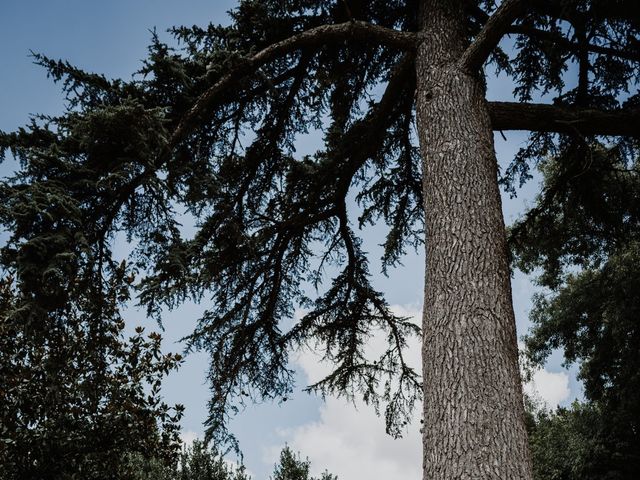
[
  {"x": 561, "y": 40},
  {"x": 567, "y": 11},
  {"x": 557, "y": 38},
  {"x": 551, "y": 118},
  {"x": 311, "y": 38},
  {"x": 489, "y": 37}
]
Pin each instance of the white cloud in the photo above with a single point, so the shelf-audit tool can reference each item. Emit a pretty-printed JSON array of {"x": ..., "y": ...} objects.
[
  {"x": 349, "y": 440},
  {"x": 352, "y": 444},
  {"x": 550, "y": 387},
  {"x": 188, "y": 436}
]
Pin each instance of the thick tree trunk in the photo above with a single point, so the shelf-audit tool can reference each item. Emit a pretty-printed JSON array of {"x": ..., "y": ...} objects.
[{"x": 473, "y": 409}]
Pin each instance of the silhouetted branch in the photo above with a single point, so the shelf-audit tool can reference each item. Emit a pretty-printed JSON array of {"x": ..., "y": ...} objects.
[
  {"x": 493, "y": 30},
  {"x": 552, "y": 118}
]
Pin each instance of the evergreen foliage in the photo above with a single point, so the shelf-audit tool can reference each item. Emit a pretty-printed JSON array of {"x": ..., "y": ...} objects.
[
  {"x": 579, "y": 442},
  {"x": 588, "y": 258},
  {"x": 292, "y": 467},
  {"x": 197, "y": 462},
  {"x": 103, "y": 167},
  {"x": 581, "y": 237},
  {"x": 209, "y": 127}
]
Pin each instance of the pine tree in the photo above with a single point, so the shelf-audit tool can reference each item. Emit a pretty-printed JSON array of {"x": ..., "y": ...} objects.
[{"x": 211, "y": 127}]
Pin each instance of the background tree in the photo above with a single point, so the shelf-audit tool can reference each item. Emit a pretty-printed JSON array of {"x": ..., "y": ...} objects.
[
  {"x": 580, "y": 442},
  {"x": 292, "y": 467},
  {"x": 212, "y": 128},
  {"x": 76, "y": 398},
  {"x": 197, "y": 462},
  {"x": 588, "y": 258}
]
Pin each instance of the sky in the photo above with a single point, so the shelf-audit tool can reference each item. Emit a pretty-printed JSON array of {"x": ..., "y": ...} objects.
[{"x": 111, "y": 37}]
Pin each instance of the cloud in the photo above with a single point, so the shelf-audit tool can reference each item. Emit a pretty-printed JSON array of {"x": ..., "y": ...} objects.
[
  {"x": 350, "y": 442},
  {"x": 550, "y": 387},
  {"x": 188, "y": 436},
  {"x": 349, "y": 439}
]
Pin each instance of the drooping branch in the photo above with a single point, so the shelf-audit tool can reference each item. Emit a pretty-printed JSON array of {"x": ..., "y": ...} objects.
[
  {"x": 552, "y": 118},
  {"x": 314, "y": 37},
  {"x": 492, "y": 31},
  {"x": 256, "y": 281}
]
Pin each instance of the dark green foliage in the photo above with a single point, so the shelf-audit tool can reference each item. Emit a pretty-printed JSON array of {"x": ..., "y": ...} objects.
[
  {"x": 75, "y": 394},
  {"x": 589, "y": 210},
  {"x": 261, "y": 213},
  {"x": 76, "y": 397},
  {"x": 273, "y": 230},
  {"x": 292, "y": 467},
  {"x": 197, "y": 462},
  {"x": 580, "y": 443},
  {"x": 585, "y": 54},
  {"x": 595, "y": 319},
  {"x": 583, "y": 235}
]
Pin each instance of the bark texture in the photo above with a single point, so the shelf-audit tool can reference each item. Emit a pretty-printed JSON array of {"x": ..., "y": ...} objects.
[{"x": 473, "y": 408}]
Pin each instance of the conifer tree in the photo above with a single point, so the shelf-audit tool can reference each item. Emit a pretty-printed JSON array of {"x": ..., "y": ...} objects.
[{"x": 397, "y": 89}]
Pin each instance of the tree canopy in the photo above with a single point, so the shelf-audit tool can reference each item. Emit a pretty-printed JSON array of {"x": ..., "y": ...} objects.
[
  {"x": 583, "y": 240},
  {"x": 76, "y": 397},
  {"x": 209, "y": 127}
]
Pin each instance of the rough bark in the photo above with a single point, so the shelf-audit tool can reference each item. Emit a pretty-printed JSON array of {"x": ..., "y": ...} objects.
[{"x": 473, "y": 407}]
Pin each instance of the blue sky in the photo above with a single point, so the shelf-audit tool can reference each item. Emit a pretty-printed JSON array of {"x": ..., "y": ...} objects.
[{"x": 111, "y": 37}]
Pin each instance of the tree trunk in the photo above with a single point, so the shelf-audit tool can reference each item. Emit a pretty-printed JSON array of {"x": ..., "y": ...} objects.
[{"x": 473, "y": 408}]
